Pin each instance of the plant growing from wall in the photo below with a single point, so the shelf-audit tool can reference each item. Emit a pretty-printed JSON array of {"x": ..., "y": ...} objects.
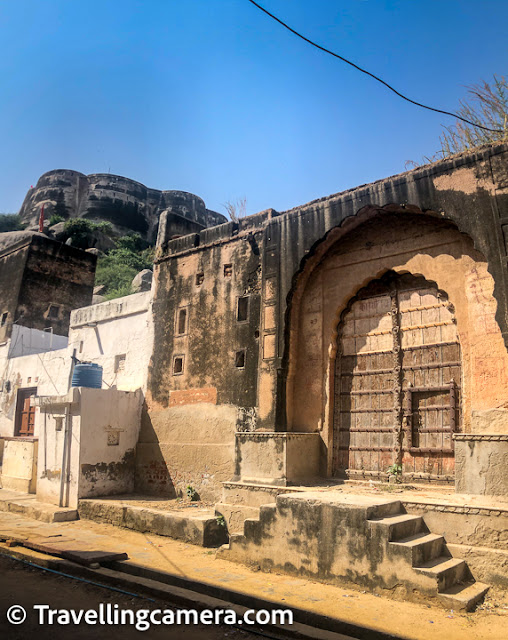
[
  {"x": 395, "y": 471},
  {"x": 221, "y": 521},
  {"x": 486, "y": 105},
  {"x": 236, "y": 209},
  {"x": 192, "y": 494}
]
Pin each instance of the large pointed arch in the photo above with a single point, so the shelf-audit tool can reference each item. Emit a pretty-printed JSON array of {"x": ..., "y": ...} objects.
[{"x": 403, "y": 241}]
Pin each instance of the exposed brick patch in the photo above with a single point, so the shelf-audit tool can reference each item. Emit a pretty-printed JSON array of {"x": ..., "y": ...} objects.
[{"x": 193, "y": 396}]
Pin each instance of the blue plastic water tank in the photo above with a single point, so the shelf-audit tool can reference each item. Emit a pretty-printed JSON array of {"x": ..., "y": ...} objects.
[{"x": 87, "y": 375}]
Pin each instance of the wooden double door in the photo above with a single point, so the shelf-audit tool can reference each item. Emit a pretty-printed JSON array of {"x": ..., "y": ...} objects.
[{"x": 397, "y": 381}]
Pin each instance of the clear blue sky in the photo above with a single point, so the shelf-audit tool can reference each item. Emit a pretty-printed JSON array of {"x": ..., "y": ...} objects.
[{"x": 212, "y": 97}]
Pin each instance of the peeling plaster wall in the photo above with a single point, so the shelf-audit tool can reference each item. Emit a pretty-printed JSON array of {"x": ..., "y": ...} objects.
[
  {"x": 470, "y": 190},
  {"x": 190, "y": 445},
  {"x": 211, "y": 397},
  {"x": 403, "y": 243},
  {"x": 99, "y": 430}
]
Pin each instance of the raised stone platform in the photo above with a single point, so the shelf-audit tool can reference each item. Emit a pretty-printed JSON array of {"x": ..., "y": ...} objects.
[
  {"x": 195, "y": 525},
  {"x": 27, "y": 505},
  {"x": 365, "y": 540}
]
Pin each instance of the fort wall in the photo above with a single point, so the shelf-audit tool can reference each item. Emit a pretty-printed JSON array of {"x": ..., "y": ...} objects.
[{"x": 128, "y": 205}]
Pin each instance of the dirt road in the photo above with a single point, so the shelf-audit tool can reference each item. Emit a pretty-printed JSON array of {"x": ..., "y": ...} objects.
[{"x": 25, "y": 586}]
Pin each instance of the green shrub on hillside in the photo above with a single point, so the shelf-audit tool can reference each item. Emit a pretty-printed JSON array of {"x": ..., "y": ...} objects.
[
  {"x": 55, "y": 219},
  {"x": 104, "y": 227},
  {"x": 10, "y": 222},
  {"x": 79, "y": 229},
  {"x": 117, "y": 269}
]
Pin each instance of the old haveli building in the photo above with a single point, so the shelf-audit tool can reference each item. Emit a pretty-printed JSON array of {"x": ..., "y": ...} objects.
[{"x": 360, "y": 333}]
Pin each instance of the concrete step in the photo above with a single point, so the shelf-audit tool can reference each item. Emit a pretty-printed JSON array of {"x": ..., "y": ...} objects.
[
  {"x": 26, "y": 504},
  {"x": 398, "y": 527},
  {"x": 447, "y": 572},
  {"x": 386, "y": 510},
  {"x": 419, "y": 548},
  {"x": 253, "y": 526},
  {"x": 196, "y": 526},
  {"x": 266, "y": 508},
  {"x": 464, "y": 596},
  {"x": 252, "y": 495},
  {"x": 235, "y": 515}
]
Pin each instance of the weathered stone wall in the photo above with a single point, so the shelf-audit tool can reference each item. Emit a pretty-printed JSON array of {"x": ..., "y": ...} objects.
[
  {"x": 203, "y": 376},
  {"x": 42, "y": 281},
  {"x": 127, "y": 204},
  {"x": 12, "y": 266},
  {"x": 466, "y": 194},
  {"x": 482, "y": 461},
  {"x": 55, "y": 275},
  {"x": 404, "y": 243}
]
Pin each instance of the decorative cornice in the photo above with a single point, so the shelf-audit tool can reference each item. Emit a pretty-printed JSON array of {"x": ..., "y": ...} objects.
[
  {"x": 459, "y": 509},
  {"x": 481, "y": 437}
]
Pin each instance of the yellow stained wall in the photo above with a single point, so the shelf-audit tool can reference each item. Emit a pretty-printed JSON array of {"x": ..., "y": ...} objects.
[{"x": 420, "y": 245}]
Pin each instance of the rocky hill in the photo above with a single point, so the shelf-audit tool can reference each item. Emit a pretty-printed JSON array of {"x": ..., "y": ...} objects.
[{"x": 128, "y": 205}]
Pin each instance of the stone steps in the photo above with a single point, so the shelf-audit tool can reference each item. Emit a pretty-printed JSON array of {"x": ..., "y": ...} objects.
[
  {"x": 420, "y": 547},
  {"x": 426, "y": 553},
  {"x": 403, "y": 550},
  {"x": 235, "y": 515},
  {"x": 446, "y": 571},
  {"x": 399, "y": 525},
  {"x": 463, "y": 596}
]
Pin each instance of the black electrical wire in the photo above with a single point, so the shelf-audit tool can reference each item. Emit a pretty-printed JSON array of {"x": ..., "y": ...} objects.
[{"x": 336, "y": 55}]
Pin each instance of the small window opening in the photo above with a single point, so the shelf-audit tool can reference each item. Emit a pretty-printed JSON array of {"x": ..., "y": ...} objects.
[
  {"x": 240, "y": 359},
  {"x": 182, "y": 322},
  {"x": 120, "y": 362},
  {"x": 81, "y": 346},
  {"x": 199, "y": 278},
  {"x": 177, "y": 365},
  {"x": 3, "y": 321},
  {"x": 228, "y": 270},
  {"x": 54, "y": 311},
  {"x": 243, "y": 308}
]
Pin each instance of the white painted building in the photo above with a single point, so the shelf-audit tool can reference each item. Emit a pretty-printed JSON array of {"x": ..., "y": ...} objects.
[{"x": 34, "y": 365}]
